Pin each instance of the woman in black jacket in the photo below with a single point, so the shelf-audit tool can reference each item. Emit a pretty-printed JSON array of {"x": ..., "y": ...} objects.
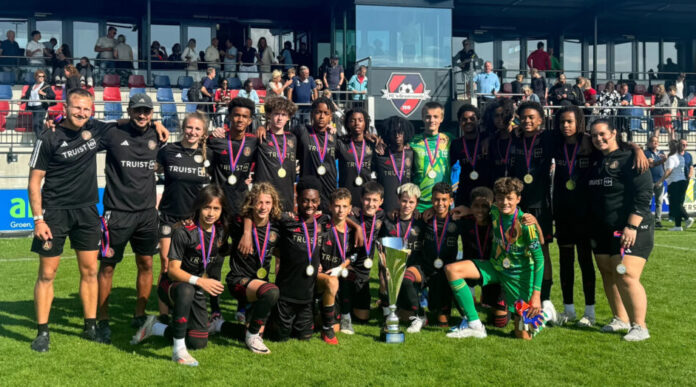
[{"x": 36, "y": 96}]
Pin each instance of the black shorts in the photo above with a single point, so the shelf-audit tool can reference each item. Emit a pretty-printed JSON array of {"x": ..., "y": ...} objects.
[
  {"x": 358, "y": 289},
  {"x": 166, "y": 224},
  {"x": 545, "y": 219},
  {"x": 140, "y": 228},
  {"x": 238, "y": 287},
  {"x": 604, "y": 242},
  {"x": 80, "y": 224},
  {"x": 571, "y": 230},
  {"x": 439, "y": 293},
  {"x": 198, "y": 317},
  {"x": 493, "y": 295},
  {"x": 291, "y": 320}
]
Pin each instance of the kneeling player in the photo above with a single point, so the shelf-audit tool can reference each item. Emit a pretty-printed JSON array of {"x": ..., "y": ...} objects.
[
  {"x": 195, "y": 253},
  {"x": 516, "y": 263}
]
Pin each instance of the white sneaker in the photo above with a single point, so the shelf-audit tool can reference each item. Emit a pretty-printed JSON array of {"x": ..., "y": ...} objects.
[
  {"x": 689, "y": 222},
  {"x": 255, "y": 344},
  {"x": 347, "y": 326},
  {"x": 586, "y": 321},
  {"x": 145, "y": 330},
  {"x": 184, "y": 358},
  {"x": 215, "y": 323},
  {"x": 565, "y": 318},
  {"x": 616, "y": 325},
  {"x": 637, "y": 333},
  {"x": 676, "y": 229},
  {"x": 552, "y": 317},
  {"x": 479, "y": 333},
  {"x": 417, "y": 323}
]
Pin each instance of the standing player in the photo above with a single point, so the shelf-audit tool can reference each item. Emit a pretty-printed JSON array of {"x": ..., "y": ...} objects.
[
  {"x": 498, "y": 121},
  {"x": 233, "y": 157},
  {"x": 571, "y": 208},
  {"x": 354, "y": 155},
  {"x": 471, "y": 150},
  {"x": 197, "y": 251},
  {"x": 275, "y": 160},
  {"x": 431, "y": 154},
  {"x": 393, "y": 164},
  {"x": 184, "y": 166},
  {"x": 657, "y": 160},
  {"x": 248, "y": 277},
  {"x": 130, "y": 213}
]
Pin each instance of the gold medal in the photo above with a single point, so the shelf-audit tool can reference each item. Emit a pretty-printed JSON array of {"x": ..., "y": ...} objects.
[
  {"x": 282, "y": 173},
  {"x": 506, "y": 263},
  {"x": 321, "y": 170},
  {"x": 528, "y": 178},
  {"x": 438, "y": 263},
  {"x": 570, "y": 185},
  {"x": 232, "y": 180},
  {"x": 261, "y": 273},
  {"x": 432, "y": 174}
]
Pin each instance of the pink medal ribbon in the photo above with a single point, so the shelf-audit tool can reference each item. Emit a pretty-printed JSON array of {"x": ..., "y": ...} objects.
[
  {"x": 206, "y": 253},
  {"x": 408, "y": 230},
  {"x": 322, "y": 152},
  {"x": 506, "y": 244},
  {"x": 570, "y": 162},
  {"x": 528, "y": 152},
  {"x": 106, "y": 240},
  {"x": 439, "y": 238},
  {"x": 368, "y": 242},
  {"x": 466, "y": 151},
  {"x": 478, "y": 241},
  {"x": 313, "y": 245},
  {"x": 341, "y": 248},
  {"x": 432, "y": 159},
  {"x": 399, "y": 173},
  {"x": 235, "y": 159},
  {"x": 262, "y": 250},
  {"x": 358, "y": 163},
  {"x": 281, "y": 156},
  {"x": 619, "y": 234},
  {"x": 507, "y": 151}
]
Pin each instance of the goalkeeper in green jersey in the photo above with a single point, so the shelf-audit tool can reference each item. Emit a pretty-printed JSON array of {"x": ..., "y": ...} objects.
[{"x": 516, "y": 263}]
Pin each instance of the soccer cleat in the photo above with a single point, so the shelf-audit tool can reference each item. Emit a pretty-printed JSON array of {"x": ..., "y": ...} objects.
[
  {"x": 462, "y": 325},
  {"x": 184, "y": 358},
  {"x": 329, "y": 336},
  {"x": 417, "y": 324},
  {"x": 689, "y": 222},
  {"x": 676, "y": 229},
  {"x": 566, "y": 317},
  {"x": 41, "y": 342},
  {"x": 616, "y": 325},
  {"x": 552, "y": 318},
  {"x": 90, "y": 333},
  {"x": 347, "y": 326},
  {"x": 103, "y": 332},
  {"x": 216, "y": 321},
  {"x": 144, "y": 331},
  {"x": 586, "y": 321},
  {"x": 241, "y": 314},
  {"x": 138, "y": 321},
  {"x": 255, "y": 344},
  {"x": 637, "y": 333},
  {"x": 479, "y": 333},
  {"x": 658, "y": 224}
]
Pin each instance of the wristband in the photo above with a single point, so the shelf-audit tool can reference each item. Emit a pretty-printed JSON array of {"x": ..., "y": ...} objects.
[
  {"x": 193, "y": 279},
  {"x": 631, "y": 227},
  {"x": 38, "y": 217},
  {"x": 39, "y": 221}
]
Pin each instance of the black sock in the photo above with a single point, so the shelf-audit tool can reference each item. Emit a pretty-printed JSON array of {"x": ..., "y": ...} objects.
[
  {"x": 267, "y": 296},
  {"x": 214, "y": 304},
  {"x": 328, "y": 316},
  {"x": 43, "y": 328},
  {"x": 408, "y": 288},
  {"x": 233, "y": 330},
  {"x": 546, "y": 289},
  {"x": 589, "y": 277},
  {"x": 90, "y": 323},
  {"x": 346, "y": 291},
  {"x": 567, "y": 268}
]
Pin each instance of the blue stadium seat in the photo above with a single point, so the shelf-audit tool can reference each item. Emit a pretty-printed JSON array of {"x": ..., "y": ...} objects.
[
  {"x": 7, "y": 78},
  {"x": 169, "y": 117},
  {"x": 136, "y": 90},
  {"x": 190, "y": 107},
  {"x": 28, "y": 79},
  {"x": 113, "y": 110},
  {"x": 162, "y": 81},
  {"x": 165, "y": 94},
  {"x": 234, "y": 83},
  {"x": 185, "y": 82},
  {"x": 5, "y": 92}
]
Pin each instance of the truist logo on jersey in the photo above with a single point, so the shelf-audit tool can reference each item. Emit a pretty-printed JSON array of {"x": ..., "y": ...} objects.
[
  {"x": 606, "y": 182},
  {"x": 406, "y": 91},
  {"x": 138, "y": 164},
  {"x": 89, "y": 145}
]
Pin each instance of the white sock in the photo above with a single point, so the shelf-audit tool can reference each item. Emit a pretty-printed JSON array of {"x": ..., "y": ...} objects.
[
  {"x": 345, "y": 317},
  {"x": 569, "y": 308},
  {"x": 248, "y": 335},
  {"x": 179, "y": 345},
  {"x": 158, "y": 329},
  {"x": 476, "y": 324},
  {"x": 589, "y": 310}
]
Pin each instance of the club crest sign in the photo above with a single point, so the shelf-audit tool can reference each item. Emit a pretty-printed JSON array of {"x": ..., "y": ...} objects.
[{"x": 405, "y": 91}]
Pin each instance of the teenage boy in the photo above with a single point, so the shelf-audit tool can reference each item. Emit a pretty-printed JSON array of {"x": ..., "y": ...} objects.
[
  {"x": 471, "y": 151},
  {"x": 393, "y": 164}
]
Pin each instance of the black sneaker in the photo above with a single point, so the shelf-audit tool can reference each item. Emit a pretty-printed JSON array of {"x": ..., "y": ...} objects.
[
  {"x": 658, "y": 224},
  {"x": 138, "y": 321},
  {"x": 90, "y": 333},
  {"x": 103, "y": 332},
  {"x": 41, "y": 342}
]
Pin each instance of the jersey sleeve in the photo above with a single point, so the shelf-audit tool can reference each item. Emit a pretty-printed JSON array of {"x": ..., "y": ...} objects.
[
  {"x": 41, "y": 156},
  {"x": 534, "y": 246},
  {"x": 179, "y": 241}
]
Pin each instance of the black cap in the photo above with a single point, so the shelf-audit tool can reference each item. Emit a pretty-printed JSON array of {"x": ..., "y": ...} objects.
[{"x": 140, "y": 100}]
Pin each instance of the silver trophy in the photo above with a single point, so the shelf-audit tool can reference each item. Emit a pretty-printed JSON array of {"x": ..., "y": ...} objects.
[{"x": 392, "y": 258}]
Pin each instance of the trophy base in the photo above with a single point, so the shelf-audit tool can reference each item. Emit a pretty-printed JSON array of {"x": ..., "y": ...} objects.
[{"x": 392, "y": 338}]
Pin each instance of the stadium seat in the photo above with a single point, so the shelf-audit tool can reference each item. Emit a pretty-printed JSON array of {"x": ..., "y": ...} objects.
[
  {"x": 55, "y": 110},
  {"x": 112, "y": 94},
  {"x": 185, "y": 82},
  {"x": 600, "y": 87},
  {"x": 3, "y": 123},
  {"x": 136, "y": 81},
  {"x": 162, "y": 81},
  {"x": 58, "y": 91},
  {"x": 5, "y": 91},
  {"x": 257, "y": 84},
  {"x": 639, "y": 100},
  {"x": 136, "y": 90},
  {"x": 639, "y": 89},
  {"x": 165, "y": 95},
  {"x": 190, "y": 107},
  {"x": 111, "y": 80},
  {"x": 113, "y": 110},
  {"x": 24, "y": 120},
  {"x": 7, "y": 78},
  {"x": 507, "y": 87},
  {"x": 234, "y": 83},
  {"x": 262, "y": 95},
  {"x": 234, "y": 94},
  {"x": 4, "y": 112},
  {"x": 169, "y": 117},
  {"x": 28, "y": 79}
]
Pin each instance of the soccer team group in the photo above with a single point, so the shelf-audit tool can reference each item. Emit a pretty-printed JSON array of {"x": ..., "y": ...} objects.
[{"x": 320, "y": 202}]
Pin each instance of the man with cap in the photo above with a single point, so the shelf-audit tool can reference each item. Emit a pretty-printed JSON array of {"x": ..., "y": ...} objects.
[
  {"x": 130, "y": 213},
  {"x": 333, "y": 76}
]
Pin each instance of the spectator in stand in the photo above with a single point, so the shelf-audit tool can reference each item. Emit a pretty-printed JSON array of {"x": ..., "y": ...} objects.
[
  {"x": 624, "y": 114},
  {"x": 607, "y": 98},
  {"x": 247, "y": 61},
  {"x": 688, "y": 173},
  {"x": 333, "y": 75},
  {"x": 466, "y": 57},
  {"x": 287, "y": 56},
  {"x": 539, "y": 86},
  {"x": 105, "y": 49},
  {"x": 319, "y": 84},
  {"x": 158, "y": 55},
  {"x": 62, "y": 59},
  {"x": 230, "y": 59},
  {"x": 675, "y": 102},
  {"x": 555, "y": 64},
  {"x": 208, "y": 90},
  {"x": 661, "y": 117},
  {"x": 36, "y": 95},
  {"x": 50, "y": 47},
  {"x": 190, "y": 56},
  {"x": 266, "y": 59},
  {"x": 124, "y": 53},
  {"x": 303, "y": 89},
  {"x": 249, "y": 92},
  {"x": 212, "y": 55},
  {"x": 517, "y": 87},
  {"x": 201, "y": 60},
  {"x": 676, "y": 182},
  {"x": 86, "y": 70},
  {"x": 304, "y": 57},
  {"x": 562, "y": 93},
  {"x": 223, "y": 96},
  {"x": 35, "y": 50},
  {"x": 578, "y": 91},
  {"x": 325, "y": 63},
  {"x": 588, "y": 92},
  {"x": 9, "y": 47},
  {"x": 175, "y": 61},
  {"x": 72, "y": 79},
  {"x": 276, "y": 87},
  {"x": 358, "y": 84},
  {"x": 657, "y": 159},
  {"x": 487, "y": 83},
  {"x": 539, "y": 59},
  {"x": 290, "y": 74},
  {"x": 528, "y": 95},
  {"x": 680, "y": 85}
]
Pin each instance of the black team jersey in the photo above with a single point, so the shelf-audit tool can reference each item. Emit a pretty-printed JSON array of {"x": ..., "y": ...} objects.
[
  {"x": 309, "y": 155},
  {"x": 247, "y": 266},
  {"x": 68, "y": 158},
  {"x": 184, "y": 177},
  {"x": 393, "y": 169},
  {"x": 572, "y": 203},
  {"x": 478, "y": 155},
  {"x": 371, "y": 225},
  {"x": 221, "y": 166},
  {"x": 268, "y": 165},
  {"x": 187, "y": 247},
  {"x": 333, "y": 252},
  {"x": 408, "y": 229},
  {"x": 130, "y": 168},
  {"x": 476, "y": 239},
  {"x": 617, "y": 190},
  {"x": 349, "y": 154},
  {"x": 539, "y": 152},
  {"x": 427, "y": 253},
  {"x": 292, "y": 279},
  {"x": 500, "y": 154}
]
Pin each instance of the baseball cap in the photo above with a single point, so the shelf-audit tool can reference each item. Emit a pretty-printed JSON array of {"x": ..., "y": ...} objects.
[{"x": 140, "y": 100}]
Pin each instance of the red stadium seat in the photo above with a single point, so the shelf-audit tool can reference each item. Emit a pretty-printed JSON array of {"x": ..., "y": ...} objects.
[
  {"x": 4, "y": 112},
  {"x": 55, "y": 110},
  {"x": 136, "y": 81},
  {"x": 507, "y": 87},
  {"x": 3, "y": 123},
  {"x": 257, "y": 84},
  {"x": 111, "y": 80},
  {"x": 234, "y": 93},
  {"x": 24, "y": 122},
  {"x": 639, "y": 100},
  {"x": 262, "y": 95},
  {"x": 58, "y": 91},
  {"x": 112, "y": 94}
]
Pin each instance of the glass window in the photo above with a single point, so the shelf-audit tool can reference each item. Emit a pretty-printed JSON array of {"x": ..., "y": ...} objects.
[
  {"x": 651, "y": 56},
  {"x": 623, "y": 59},
  {"x": 510, "y": 58},
  {"x": 671, "y": 57},
  {"x": 51, "y": 29},
  {"x": 131, "y": 36},
  {"x": 167, "y": 36},
  {"x": 484, "y": 50},
  {"x": 85, "y": 35},
  {"x": 572, "y": 58},
  {"x": 601, "y": 60},
  {"x": 532, "y": 45},
  {"x": 202, "y": 36},
  {"x": 19, "y": 27},
  {"x": 404, "y": 36}
]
